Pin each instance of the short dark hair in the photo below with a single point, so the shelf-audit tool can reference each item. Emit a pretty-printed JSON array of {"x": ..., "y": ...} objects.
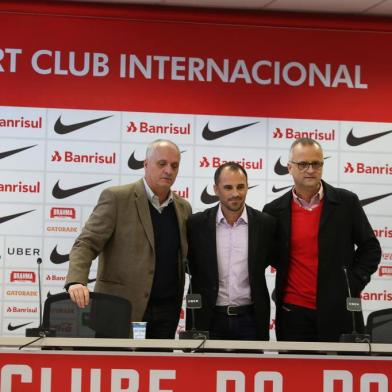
[{"x": 233, "y": 166}]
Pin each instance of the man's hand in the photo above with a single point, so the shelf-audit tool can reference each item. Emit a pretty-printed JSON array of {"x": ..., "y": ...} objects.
[{"x": 79, "y": 294}]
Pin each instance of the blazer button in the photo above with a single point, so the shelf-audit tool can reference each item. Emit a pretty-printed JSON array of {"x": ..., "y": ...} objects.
[{"x": 145, "y": 295}]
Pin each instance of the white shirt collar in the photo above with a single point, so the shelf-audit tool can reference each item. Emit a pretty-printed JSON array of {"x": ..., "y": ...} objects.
[{"x": 154, "y": 200}]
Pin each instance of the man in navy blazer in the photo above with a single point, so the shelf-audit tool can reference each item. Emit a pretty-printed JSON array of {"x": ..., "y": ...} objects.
[
  {"x": 326, "y": 243},
  {"x": 229, "y": 247}
]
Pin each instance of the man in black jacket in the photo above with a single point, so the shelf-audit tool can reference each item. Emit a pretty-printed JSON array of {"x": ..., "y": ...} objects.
[
  {"x": 228, "y": 250},
  {"x": 325, "y": 240}
]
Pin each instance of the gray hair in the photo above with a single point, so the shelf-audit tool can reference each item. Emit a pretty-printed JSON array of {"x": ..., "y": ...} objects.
[
  {"x": 305, "y": 141},
  {"x": 154, "y": 144}
]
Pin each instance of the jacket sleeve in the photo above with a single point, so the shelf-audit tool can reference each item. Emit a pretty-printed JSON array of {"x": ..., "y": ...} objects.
[{"x": 96, "y": 232}]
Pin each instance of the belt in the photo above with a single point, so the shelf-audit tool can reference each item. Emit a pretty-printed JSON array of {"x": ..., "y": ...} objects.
[{"x": 234, "y": 310}]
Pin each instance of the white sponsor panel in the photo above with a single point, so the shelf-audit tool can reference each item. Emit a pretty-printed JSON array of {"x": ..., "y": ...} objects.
[
  {"x": 54, "y": 278},
  {"x": 77, "y": 189},
  {"x": 2, "y": 255},
  {"x": 282, "y": 132},
  {"x": 231, "y": 131},
  {"x": 366, "y": 168},
  {"x": 375, "y": 198},
  {"x": 16, "y": 326},
  {"x": 256, "y": 194},
  {"x": 147, "y": 127},
  {"x": 20, "y": 122},
  {"x": 386, "y": 255},
  {"x": 21, "y": 276},
  {"x": 366, "y": 136},
  {"x": 97, "y": 125},
  {"x": 22, "y": 251},
  {"x": 26, "y": 154},
  {"x": 56, "y": 252},
  {"x": 22, "y": 187},
  {"x": 183, "y": 188},
  {"x": 382, "y": 228},
  {"x": 65, "y": 229},
  {"x": 204, "y": 194},
  {"x": 80, "y": 157},
  {"x": 21, "y": 293},
  {"x": 21, "y": 219},
  {"x": 377, "y": 295},
  {"x": 278, "y": 188},
  {"x": 208, "y": 159},
  {"x": 64, "y": 213},
  {"x": 21, "y": 309}
]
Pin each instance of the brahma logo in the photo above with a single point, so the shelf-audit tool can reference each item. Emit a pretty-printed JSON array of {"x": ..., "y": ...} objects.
[
  {"x": 20, "y": 122},
  {"x": 22, "y": 276},
  {"x": 62, "y": 212},
  {"x": 21, "y": 187},
  {"x": 362, "y": 168},
  {"x": 96, "y": 158},
  {"x": 215, "y": 162},
  {"x": 171, "y": 129},
  {"x": 377, "y": 296},
  {"x": 290, "y": 133},
  {"x": 383, "y": 233}
]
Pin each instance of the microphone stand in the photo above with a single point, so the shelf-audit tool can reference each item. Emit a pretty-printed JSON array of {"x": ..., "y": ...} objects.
[{"x": 353, "y": 305}]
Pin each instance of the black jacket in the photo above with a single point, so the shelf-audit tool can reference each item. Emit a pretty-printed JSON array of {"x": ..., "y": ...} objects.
[{"x": 346, "y": 240}]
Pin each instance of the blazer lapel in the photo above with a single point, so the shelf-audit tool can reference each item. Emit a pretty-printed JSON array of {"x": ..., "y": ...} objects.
[
  {"x": 330, "y": 202},
  {"x": 210, "y": 246},
  {"x": 144, "y": 211}
]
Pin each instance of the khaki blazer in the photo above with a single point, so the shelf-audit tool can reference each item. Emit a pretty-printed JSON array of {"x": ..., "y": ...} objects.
[{"x": 120, "y": 231}]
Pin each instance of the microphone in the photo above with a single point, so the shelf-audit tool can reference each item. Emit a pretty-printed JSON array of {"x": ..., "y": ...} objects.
[
  {"x": 353, "y": 305},
  {"x": 40, "y": 331},
  {"x": 193, "y": 301}
]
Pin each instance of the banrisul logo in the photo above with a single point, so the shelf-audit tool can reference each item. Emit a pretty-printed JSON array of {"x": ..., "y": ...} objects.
[
  {"x": 215, "y": 162},
  {"x": 159, "y": 128},
  {"x": 291, "y": 133},
  {"x": 95, "y": 158},
  {"x": 364, "y": 168}
]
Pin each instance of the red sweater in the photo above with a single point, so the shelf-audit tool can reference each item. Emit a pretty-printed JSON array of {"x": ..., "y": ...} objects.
[{"x": 301, "y": 285}]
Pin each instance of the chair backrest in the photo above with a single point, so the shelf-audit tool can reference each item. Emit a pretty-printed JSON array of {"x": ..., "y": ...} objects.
[
  {"x": 379, "y": 326},
  {"x": 106, "y": 316}
]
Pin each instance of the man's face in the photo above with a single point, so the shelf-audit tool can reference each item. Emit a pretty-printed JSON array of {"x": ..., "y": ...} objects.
[
  {"x": 231, "y": 189},
  {"x": 307, "y": 179},
  {"x": 161, "y": 169}
]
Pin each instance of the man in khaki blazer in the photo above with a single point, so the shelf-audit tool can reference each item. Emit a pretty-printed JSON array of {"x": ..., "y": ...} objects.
[{"x": 139, "y": 232}]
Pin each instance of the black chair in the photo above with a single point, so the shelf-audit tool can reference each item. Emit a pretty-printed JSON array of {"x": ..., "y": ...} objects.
[
  {"x": 106, "y": 316},
  {"x": 379, "y": 326}
]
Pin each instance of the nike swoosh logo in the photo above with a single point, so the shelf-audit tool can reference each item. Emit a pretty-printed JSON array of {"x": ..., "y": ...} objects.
[
  {"x": 134, "y": 163},
  {"x": 63, "y": 129},
  {"x": 57, "y": 258},
  {"x": 365, "y": 202},
  {"x": 276, "y": 190},
  {"x": 213, "y": 135},
  {"x": 91, "y": 280},
  {"x": 13, "y": 327},
  {"x": 280, "y": 169},
  {"x": 60, "y": 193},
  {"x": 6, "y": 154},
  {"x": 357, "y": 141},
  {"x": 206, "y": 198},
  {"x": 13, "y": 216}
]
